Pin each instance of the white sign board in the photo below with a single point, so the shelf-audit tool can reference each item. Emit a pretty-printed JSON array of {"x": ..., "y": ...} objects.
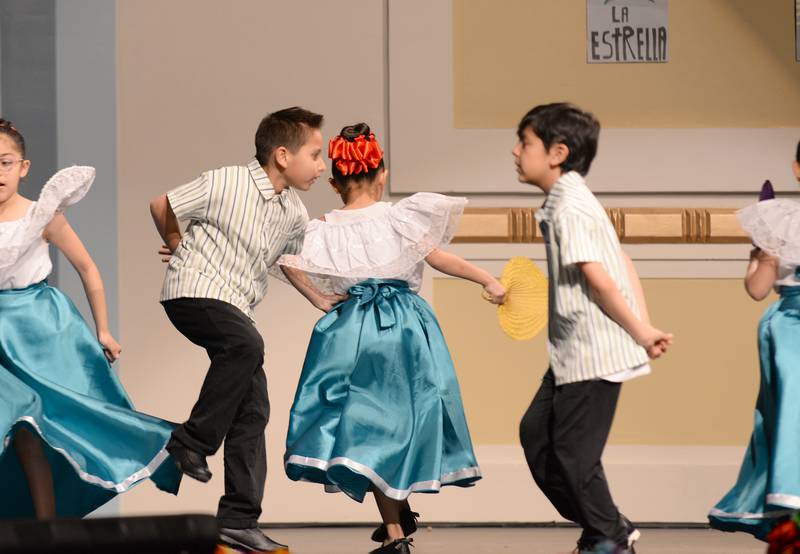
[{"x": 626, "y": 31}]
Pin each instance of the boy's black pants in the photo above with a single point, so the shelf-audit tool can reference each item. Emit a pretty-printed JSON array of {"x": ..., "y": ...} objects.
[
  {"x": 233, "y": 405},
  {"x": 563, "y": 434}
]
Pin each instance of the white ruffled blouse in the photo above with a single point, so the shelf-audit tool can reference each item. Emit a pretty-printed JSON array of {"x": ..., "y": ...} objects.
[
  {"x": 24, "y": 255},
  {"x": 381, "y": 241},
  {"x": 774, "y": 226}
]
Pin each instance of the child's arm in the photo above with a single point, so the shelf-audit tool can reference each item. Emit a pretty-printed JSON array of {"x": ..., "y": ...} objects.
[
  {"x": 166, "y": 222},
  {"x": 302, "y": 283},
  {"x": 59, "y": 233},
  {"x": 607, "y": 295},
  {"x": 636, "y": 283},
  {"x": 762, "y": 272},
  {"x": 458, "y": 267}
]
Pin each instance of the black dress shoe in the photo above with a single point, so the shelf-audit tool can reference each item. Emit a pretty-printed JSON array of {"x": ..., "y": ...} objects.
[
  {"x": 190, "y": 463},
  {"x": 250, "y": 539},
  {"x": 399, "y": 546},
  {"x": 408, "y": 521}
]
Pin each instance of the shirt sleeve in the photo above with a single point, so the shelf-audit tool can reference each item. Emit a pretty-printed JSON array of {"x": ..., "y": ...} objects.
[
  {"x": 578, "y": 238},
  {"x": 190, "y": 201}
]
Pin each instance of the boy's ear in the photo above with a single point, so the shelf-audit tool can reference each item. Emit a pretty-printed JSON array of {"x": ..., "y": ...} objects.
[
  {"x": 281, "y": 155},
  {"x": 558, "y": 153},
  {"x": 382, "y": 178}
]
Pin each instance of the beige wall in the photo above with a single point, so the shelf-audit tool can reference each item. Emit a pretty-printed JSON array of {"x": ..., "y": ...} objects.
[
  {"x": 194, "y": 78},
  {"x": 643, "y": 154},
  {"x": 193, "y": 81},
  {"x": 701, "y": 393}
]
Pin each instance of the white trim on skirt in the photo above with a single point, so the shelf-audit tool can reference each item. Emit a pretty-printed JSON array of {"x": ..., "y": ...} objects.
[
  {"x": 716, "y": 512},
  {"x": 122, "y": 486},
  {"x": 385, "y": 488}
]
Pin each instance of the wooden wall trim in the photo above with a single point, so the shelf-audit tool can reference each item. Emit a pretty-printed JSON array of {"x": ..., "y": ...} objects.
[{"x": 633, "y": 225}]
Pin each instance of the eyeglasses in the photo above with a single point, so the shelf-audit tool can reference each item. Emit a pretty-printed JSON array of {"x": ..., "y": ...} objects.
[{"x": 6, "y": 164}]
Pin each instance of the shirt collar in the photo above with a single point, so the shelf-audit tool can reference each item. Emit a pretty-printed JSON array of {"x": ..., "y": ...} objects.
[
  {"x": 566, "y": 181},
  {"x": 265, "y": 186}
]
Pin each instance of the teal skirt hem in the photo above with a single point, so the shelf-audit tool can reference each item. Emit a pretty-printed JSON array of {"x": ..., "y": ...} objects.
[
  {"x": 57, "y": 384},
  {"x": 767, "y": 489}
]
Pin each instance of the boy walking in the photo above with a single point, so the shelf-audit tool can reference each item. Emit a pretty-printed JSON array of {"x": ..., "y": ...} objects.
[{"x": 599, "y": 329}]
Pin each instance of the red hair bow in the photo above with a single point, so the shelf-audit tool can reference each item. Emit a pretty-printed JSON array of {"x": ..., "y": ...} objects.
[{"x": 353, "y": 157}]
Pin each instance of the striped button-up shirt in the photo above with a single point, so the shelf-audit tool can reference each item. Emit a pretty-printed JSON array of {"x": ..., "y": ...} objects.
[
  {"x": 238, "y": 227},
  {"x": 584, "y": 342}
]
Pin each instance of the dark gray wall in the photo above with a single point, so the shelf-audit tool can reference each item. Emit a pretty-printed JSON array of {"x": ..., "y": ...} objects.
[
  {"x": 87, "y": 135},
  {"x": 28, "y": 82}
]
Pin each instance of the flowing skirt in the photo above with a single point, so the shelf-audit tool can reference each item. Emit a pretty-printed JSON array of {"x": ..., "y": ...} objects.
[
  {"x": 378, "y": 403},
  {"x": 768, "y": 487},
  {"x": 56, "y": 382}
]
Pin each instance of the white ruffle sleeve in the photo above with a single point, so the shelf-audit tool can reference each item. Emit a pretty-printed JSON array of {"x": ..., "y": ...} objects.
[
  {"x": 62, "y": 190},
  {"x": 388, "y": 245},
  {"x": 774, "y": 226}
]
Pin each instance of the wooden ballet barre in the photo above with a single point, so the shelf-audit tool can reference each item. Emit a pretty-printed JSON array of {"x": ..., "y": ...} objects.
[{"x": 633, "y": 225}]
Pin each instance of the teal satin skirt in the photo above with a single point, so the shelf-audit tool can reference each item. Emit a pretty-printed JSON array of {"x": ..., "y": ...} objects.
[
  {"x": 56, "y": 382},
  {"x": 768, "y": 487},
  {"x": 378, "y": 404}
]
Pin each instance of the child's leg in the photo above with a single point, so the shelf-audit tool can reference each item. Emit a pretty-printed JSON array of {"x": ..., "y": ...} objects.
[
  {"x": 583, "y": 415},
  {"x": 536, "y": 433},
  {"x": 246, "y": 459},
  {"x": 37, "y": 470},
  {"x": 236, "y": 351},
  {"x": 233, "y": 404},
  {"x": 390, "y": 514}
]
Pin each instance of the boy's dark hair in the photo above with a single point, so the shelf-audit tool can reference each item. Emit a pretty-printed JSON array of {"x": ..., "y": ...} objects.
[
  {"x": 351, "y": 133},
  {"x": 797, "y": 154},
  {"x": 7, "y": 128},
  {"x": 289, "y": 128},
  {"x": 564, "y": 123}
]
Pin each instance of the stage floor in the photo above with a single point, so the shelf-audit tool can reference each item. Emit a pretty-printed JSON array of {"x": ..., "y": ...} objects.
[{"x": 512, "y": 541}]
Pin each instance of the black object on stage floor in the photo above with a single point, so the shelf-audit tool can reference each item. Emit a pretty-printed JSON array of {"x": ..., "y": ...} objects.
[{"x": 183, "y": 534}]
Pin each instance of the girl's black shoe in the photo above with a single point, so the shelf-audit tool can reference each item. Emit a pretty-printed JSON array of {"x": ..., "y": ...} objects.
[{"x": 399, "y": 546}]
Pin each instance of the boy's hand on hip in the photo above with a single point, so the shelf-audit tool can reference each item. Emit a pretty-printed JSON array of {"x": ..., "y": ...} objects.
[{"x": 165, "y": 253}]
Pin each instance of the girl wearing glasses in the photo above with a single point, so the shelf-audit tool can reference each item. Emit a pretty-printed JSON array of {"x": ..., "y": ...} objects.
[{"x": 69, "y": 438}]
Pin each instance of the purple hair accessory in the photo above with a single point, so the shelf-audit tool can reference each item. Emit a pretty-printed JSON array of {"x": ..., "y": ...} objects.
[{"x": 767, "y": 192}]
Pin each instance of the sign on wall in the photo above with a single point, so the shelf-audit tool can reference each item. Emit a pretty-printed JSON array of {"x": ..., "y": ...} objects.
[
  {"x": 627, "y": 31},
  {"x": 797, "y": 30}
]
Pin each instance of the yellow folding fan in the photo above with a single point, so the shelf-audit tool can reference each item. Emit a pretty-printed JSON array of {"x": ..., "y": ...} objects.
[{"x": 524, "y": 312}]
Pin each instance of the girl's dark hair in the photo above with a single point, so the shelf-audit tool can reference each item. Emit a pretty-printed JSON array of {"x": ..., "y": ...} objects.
[
  {"x": 351, "y": 133},
  {"x": 8, "y": 129},
  {"x": 797, "y": 154},
  {"x": 564, "y": 123}
]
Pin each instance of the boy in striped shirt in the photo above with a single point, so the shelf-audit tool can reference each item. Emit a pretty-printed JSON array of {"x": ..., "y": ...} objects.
[
  {"x": 241, "y": 219},
  {"x": 599, "y": 329}
]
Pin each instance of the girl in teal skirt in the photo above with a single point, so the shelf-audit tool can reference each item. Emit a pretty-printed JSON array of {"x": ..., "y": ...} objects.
[
  {"x": 378, "y": 407},
  {"x": 768, "y": 487},
  {"x": 70, "y": 438}
]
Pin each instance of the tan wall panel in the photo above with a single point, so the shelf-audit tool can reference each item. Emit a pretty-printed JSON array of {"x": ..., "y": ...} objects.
[
  {"x": 731, "y": 64},
  {"x": 701, "y": 393}
]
